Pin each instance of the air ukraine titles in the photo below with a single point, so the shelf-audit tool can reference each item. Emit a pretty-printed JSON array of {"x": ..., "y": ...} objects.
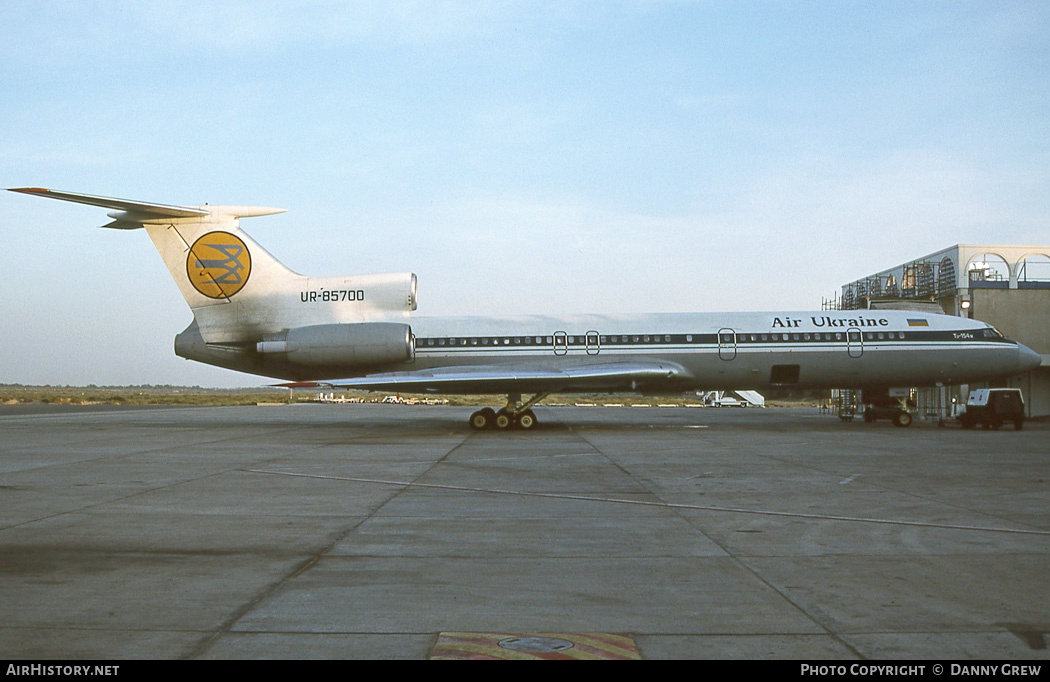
[{"x": 825, "y": 321}]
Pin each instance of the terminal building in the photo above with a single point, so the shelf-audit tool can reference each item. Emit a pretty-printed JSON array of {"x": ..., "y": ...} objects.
[{"x": 1006, "y": 286}]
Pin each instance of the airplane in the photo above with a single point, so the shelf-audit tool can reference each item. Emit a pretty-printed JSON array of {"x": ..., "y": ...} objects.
[{"x": 252, "y": 314}]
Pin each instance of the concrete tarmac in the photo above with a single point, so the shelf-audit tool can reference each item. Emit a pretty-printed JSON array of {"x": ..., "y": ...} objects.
[{"x": 366, "y": 531}]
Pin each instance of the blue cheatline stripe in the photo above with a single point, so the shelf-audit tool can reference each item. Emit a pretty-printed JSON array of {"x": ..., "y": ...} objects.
[
  {"x": 871, "y": 346},
  {"x": 693, "y": 341}
]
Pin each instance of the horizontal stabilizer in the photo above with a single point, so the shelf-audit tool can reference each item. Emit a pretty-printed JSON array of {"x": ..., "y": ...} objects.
[
  {"x": 130, "y": 213},
  {"x": 140, "y": 208}
]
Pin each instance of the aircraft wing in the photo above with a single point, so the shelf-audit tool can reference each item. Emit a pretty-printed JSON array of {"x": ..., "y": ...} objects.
[{"x": 625, "y": 376}]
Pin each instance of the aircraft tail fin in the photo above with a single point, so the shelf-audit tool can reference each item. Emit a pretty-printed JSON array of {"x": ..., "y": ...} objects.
[{"x": 238, "y": 292}]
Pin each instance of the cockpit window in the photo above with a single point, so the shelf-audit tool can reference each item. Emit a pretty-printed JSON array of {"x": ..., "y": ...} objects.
[{"x": 992, "y": 332}]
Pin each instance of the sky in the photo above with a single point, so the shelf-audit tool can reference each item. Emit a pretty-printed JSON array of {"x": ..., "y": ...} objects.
[{"x": 519, "y": 157}]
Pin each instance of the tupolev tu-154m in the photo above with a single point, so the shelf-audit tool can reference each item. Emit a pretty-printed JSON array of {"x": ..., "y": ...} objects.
[{"x": 252, "y": 314}]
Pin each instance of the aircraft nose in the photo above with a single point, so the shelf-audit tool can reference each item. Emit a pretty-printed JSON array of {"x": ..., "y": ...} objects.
[{"x": 1027, "y": 358}]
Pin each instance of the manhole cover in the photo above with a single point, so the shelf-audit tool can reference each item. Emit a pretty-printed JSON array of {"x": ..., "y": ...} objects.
[{"x": 535, "y": 645}]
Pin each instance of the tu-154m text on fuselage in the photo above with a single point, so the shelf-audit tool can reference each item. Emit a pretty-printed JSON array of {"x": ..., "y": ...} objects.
[{"x": 252, "y": 314}]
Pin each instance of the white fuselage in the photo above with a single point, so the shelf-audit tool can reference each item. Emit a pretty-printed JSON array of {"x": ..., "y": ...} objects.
[
  {"x": 737, "y": 350},
  {"x": 847, "y": 349}
]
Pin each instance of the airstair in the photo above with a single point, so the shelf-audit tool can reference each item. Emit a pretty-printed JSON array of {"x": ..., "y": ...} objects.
[
  {"x": 752, "y": 398},
  {"x": 734, "y": 399}
]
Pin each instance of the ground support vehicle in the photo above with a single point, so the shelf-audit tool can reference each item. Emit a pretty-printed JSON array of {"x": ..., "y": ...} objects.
[{"x": 993, "y": 407}]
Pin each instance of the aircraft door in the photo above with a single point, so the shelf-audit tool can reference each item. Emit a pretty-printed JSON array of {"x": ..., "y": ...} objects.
[
  {"x": 854, "y": 342},
  {"x": 727, "y": 343},
  {"x": 593, "y": 343},
  {"x": 561, "y": 343}
]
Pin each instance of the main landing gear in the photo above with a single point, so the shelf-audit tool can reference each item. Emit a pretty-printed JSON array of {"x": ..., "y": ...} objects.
[{"x": 516, "y": 414}]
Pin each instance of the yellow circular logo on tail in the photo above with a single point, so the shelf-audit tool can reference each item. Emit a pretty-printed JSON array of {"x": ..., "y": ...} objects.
[{"x": 218, "y": 264}]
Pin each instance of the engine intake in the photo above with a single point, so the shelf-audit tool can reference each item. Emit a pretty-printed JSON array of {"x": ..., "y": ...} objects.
[{"x": 357, "y": 345}]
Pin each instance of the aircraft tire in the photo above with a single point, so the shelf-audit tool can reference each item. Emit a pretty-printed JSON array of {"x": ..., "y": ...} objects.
[
  {"x": 503, "y": 420},
  {"x": 482, "y": 419},
  {"x": 526, "y": 420},
  {"x": 902, "y": 419}
]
